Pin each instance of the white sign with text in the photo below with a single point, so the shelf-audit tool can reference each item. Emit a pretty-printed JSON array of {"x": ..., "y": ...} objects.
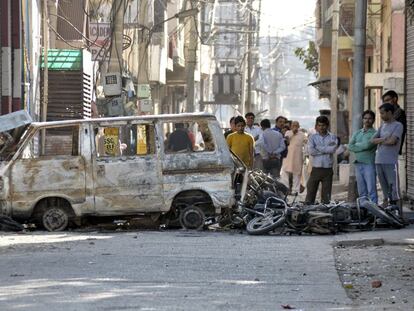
[{"x": 100, "y": 35}]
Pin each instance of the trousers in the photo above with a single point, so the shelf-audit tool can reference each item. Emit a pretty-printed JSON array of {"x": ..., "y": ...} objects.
[
  {"x": 366, "y": 178},
  {"x": 319, "y": 175}
]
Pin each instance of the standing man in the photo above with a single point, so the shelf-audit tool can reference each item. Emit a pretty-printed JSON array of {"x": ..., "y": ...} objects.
[
  {"x": 322, "y": 147},
  {"x": 391, "y": 97},
  {"x": 364, "y": 150},
  {"x": 241, "y": 143},
  {"x": 280, "y": 123},
  {"x": 388, "y": 138},
  {"x": 272, "y": 145},
  {"x": 232, "y": 128},
  {"x": 179, "y": 141},
  {"x": 256, "y": 132},
  {"x": 293, "y": 163}
]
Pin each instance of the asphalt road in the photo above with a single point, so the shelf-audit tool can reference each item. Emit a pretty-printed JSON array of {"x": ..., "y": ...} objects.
[{"x": 171, "y": 270}]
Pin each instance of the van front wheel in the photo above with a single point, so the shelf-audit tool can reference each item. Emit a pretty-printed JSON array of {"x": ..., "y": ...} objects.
[{"x": 55, "y": 219}]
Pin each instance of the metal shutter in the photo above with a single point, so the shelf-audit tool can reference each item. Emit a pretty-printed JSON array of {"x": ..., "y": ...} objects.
[{"x": 409, "y": 106}]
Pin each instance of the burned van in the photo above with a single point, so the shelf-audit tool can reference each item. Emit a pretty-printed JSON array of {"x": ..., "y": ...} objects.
[{"x": 177, "y": 167}]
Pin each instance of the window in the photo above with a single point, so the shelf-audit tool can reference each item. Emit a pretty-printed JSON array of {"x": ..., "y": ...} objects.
[
  {"x": 125, "y": 140},
  {"x": 187, "y": 137},
  {"x": 59, "y": 141},
  {"x": 160, "y": 8}
]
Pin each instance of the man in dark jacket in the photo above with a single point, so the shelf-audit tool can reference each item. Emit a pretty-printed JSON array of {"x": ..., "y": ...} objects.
[
  {"x": 179, "y": 140},
  {"x": 391, "y": 97}
]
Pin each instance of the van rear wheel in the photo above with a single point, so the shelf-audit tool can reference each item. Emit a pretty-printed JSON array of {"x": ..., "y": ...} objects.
[
  {"x": 55, "y": 218},
  {"x": 192, "y": 218}
]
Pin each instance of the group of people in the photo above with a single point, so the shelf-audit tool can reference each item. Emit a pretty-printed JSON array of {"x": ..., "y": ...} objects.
[
  {"x": 279, "y": 151},
  {"x": 376, "y": 151}
]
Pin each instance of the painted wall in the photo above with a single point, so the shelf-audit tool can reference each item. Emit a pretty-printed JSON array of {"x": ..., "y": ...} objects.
[
  {"x": 344, "y": 68},
  {"x": 398, "y": 41}
]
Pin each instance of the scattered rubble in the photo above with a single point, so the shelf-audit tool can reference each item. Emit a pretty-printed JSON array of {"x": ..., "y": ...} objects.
[{"x": 363, "y": 270}]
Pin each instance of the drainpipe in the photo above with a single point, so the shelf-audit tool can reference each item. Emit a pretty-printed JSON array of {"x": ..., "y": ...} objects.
[
  {"x": 334, "y": 78},
  {"x": 6, "y": 59},
  {"x": 17, "y": 55},
  {"x": 358, "y": 84},
  {"x": 45, "y": 72}
]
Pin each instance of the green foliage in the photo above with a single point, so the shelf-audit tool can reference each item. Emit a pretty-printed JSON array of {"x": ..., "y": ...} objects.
[{"x": 309, "y": 56}]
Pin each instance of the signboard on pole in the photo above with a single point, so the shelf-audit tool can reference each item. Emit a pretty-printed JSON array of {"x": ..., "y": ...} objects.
[{"x": 100, "y": 35}]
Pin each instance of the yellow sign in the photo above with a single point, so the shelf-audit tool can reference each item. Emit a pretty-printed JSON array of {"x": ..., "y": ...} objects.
[
  {"x": 111, "y": 141},
  {"x": 141, "y": 140}
]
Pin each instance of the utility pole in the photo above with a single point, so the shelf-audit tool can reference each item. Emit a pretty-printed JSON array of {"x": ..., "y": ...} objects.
[
  {"x": 115, "y": 62},
  {"x": 259, "y": 14},
  {"x": 45, "y": 72},
  {"x": 334, "y": 76},
  {"x": 358, "y": 83},
  {"x": 143, "y": 43},
  {"x": 249, "y": 65},
  {"x": 191, "y": 61}
]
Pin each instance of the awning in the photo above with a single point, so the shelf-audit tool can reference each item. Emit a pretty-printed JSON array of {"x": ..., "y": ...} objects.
[
  {"x": 323, "y": 85},
  {"x": 61, "y": 60}
]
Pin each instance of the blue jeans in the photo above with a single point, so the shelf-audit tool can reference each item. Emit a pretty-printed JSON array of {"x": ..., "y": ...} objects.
[{"x": 366, "y": 181}]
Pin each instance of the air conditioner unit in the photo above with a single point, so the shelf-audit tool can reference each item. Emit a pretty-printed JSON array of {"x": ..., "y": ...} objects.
[{"x": 112, "y": 84}]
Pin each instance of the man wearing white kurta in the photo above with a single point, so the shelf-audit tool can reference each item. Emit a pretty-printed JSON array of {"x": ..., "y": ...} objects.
[{"x": 293, "y": 162}]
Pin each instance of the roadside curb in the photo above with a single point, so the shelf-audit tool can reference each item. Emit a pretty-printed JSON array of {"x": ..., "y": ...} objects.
[
  {"x": 370, "y": 242},
  {"x": 360, "y": 242}
]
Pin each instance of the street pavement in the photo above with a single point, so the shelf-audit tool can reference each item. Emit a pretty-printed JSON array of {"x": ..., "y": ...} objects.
[{"x": 172, "y": 270}]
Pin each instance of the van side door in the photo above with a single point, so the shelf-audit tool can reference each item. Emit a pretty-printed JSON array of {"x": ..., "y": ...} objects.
[{"x": 127, "y": 174}]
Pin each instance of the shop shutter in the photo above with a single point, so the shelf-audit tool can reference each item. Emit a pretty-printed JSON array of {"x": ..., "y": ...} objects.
[{"x": 409, "y": 107}]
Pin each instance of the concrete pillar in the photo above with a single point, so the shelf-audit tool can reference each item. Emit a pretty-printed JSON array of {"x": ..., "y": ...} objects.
[
  {"x": 17, "y": 55},
  {"x": 6, "y": 58}
]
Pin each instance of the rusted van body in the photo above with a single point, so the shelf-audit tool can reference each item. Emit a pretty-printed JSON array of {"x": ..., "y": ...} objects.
[{"x": 58, "y": 172}]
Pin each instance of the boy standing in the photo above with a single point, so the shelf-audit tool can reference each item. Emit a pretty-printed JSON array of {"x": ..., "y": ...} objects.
[
  {"x": 241, "y": 143},
  {"x": 256, "y": 133}
]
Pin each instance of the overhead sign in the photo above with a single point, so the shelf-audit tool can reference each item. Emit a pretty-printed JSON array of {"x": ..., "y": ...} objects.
[{"x": 100, "y": 37}]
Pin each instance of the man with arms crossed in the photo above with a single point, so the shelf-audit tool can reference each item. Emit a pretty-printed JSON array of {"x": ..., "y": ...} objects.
[
  {"x": 321, "y": 146},
  {"x": 388, "y": 140}
]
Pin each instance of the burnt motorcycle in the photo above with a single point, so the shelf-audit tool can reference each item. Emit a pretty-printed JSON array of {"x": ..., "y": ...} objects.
[
  {"x": 295, "y": 218},
  {"x": 322, "y": 218},
  {"x": 258, "y": 187}
]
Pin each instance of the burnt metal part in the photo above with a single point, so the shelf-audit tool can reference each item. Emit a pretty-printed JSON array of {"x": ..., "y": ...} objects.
[{"x": 8, "y": 224}]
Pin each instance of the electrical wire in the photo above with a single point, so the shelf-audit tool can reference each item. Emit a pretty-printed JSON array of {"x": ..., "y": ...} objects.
[{"x": 61, "y": 38}]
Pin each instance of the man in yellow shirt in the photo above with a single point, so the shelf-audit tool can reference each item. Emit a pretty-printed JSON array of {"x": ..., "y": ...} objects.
[{"x": 241, "y": 143}]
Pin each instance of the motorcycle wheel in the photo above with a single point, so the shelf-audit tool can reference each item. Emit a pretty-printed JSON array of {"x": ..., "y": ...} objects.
[
  {"x": 264, "y": 224},
  {"x": 389, "y": 218}
]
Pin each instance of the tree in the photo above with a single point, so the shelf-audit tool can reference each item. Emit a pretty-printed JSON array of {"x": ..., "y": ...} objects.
[{"x": 309, "y": 56}]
